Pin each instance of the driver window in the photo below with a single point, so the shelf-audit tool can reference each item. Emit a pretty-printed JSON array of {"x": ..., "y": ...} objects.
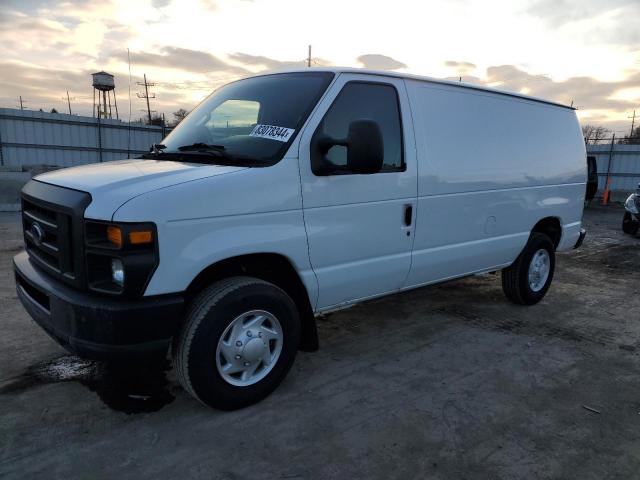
[{"x": 356, "y": 101}]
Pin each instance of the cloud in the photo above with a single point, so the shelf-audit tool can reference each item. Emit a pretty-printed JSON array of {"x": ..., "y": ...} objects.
[
  {"x": 380, "y": 62},
  {"x": 20, "y": 22},
  {"x": 272, "y": 64},
  {"x": 461, "y": 68},
  {"x": 586, "y": 93},
  {"x": 181, "y": 59},
  {"x": 34, "y": 5},
  {"x": 266, "y": 62},
  {"x": 45, "y": 88},
  {"x": 611, "y": 21},
  {"x": 465, "y": 65},
  {"x": 160, "y": 3},
  {"x": 559, "y": 12},
  {"x": 41, "y": 87},
  {"x": 209, "y": 5}
]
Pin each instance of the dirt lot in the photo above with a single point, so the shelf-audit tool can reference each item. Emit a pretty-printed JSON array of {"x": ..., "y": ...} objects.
[{"x": 448, "y": 382}]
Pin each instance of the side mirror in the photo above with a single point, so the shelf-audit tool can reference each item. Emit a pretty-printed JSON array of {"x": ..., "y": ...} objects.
[{"x": 365, "y": 149}]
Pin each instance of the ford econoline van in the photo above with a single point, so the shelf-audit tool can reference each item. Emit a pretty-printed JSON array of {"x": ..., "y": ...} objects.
[{"x": 285, "y": 195}]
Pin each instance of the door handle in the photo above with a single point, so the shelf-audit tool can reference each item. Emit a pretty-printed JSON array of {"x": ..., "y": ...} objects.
[{"x": 408, "y": 215}]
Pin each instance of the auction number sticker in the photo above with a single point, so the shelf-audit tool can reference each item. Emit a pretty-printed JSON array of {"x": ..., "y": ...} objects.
[{"x": 281, "y": 134}]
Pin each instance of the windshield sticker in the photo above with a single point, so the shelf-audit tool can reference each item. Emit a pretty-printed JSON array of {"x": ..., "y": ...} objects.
[{"x": 281, "y": 134}]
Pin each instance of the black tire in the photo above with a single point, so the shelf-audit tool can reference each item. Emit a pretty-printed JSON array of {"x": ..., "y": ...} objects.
[
  {"x": 515, "y": 278},
  {"x": 208, "y": 316},
  {"x": 629, "y": 225}
]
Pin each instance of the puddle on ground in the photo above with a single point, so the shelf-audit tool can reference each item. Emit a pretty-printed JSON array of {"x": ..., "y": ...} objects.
[{"x": 129, "y": 387}]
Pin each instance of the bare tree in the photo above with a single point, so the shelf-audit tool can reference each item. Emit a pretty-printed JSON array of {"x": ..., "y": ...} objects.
[
  {"x": 593, "y": 135},
  {"x": 179, "y": 115}
]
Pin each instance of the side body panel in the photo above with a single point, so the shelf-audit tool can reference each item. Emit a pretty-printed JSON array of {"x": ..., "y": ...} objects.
[
  {"x": 256, "y": 210},
  {"x": 359, "y": 245},
  {"x": 489, "y": 168}
]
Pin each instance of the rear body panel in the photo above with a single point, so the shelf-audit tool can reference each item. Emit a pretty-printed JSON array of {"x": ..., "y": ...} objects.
[{"x": 489, "y": 168}]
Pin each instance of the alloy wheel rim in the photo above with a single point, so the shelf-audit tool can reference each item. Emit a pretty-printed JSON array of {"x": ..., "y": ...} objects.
[
  {"x": 539, "y": 270},
  {"x": 249, "y": 348}
]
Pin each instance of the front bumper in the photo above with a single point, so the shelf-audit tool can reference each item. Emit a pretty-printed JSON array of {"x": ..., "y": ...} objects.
[{"x": 95, "y": 326}]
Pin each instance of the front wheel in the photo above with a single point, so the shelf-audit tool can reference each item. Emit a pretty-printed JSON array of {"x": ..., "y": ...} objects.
[
  {"x": 527, "y": 280},
  {"x": 629, "y": 224},
  {"x": 238, "y": 342}
]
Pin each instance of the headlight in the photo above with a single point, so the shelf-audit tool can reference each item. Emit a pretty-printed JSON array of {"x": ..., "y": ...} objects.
[
  {"x": 117, "y": 272},
  {"x": 120, "y": 257},
  {"x": 631, "y": 205}
]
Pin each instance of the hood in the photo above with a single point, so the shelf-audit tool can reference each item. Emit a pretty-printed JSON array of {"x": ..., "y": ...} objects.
[{"x": 113, "y": 183}]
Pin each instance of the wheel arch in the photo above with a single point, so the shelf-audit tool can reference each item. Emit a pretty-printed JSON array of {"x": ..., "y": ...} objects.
[
  {"x": 270, "y": 267},
  {"x": 550, "y": 226}
]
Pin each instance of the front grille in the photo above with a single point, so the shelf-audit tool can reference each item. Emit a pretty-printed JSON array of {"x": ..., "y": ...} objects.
[
  {"x": 52, "y": 221},
  {"x": 47, "y": 236}
]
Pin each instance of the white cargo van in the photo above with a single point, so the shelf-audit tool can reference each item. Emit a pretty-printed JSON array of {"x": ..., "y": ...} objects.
[{"x": 285, "y": 195}]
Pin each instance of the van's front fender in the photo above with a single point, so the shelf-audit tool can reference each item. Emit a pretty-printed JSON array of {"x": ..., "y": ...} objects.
[{"x": 258, "y": 210}]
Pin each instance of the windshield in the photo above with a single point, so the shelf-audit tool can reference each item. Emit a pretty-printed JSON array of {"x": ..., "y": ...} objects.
[{"x": 252, "y": 120}]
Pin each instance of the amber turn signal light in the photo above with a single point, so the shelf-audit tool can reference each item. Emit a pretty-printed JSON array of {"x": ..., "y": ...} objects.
[
  {"x": 114, "y": 234},
  {"x": 142, "y": 237}
]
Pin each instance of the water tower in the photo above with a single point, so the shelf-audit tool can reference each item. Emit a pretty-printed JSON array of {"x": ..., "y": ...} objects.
[{"x": 105, "y": 87}]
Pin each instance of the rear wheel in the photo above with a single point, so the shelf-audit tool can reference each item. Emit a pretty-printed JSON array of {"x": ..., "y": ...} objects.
[
  {"x": 527, "y": 280},
  {"x": 629, "y": 225},
  {"x": 239, "y": 340}
]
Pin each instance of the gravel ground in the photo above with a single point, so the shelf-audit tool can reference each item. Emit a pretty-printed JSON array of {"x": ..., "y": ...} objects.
[{"x": 445, "y": 382}]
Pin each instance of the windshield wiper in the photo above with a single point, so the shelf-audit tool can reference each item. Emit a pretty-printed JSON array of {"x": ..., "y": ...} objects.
[
  {"x": 216, "y": 154},
  {"x": 199, "y": 146}
]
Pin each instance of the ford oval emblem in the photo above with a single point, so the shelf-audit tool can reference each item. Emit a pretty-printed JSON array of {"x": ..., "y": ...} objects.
[{"x": 37, "y": 233}]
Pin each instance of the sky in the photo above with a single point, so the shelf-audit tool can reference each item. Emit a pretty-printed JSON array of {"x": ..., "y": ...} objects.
[{"x": 585, "y": 52}]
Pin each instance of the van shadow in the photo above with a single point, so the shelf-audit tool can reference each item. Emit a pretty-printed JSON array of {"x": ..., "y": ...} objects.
[{"x": 129, "y": 387}]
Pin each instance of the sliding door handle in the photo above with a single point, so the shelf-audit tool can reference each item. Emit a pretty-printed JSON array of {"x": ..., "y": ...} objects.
[{"x": 408, "y": 215}]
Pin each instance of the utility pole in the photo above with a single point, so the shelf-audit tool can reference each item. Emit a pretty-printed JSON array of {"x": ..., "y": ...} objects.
[
  {"x": 309, "y": 58},
  {"x": 69, "y": 102},
  {"x": 607, "y": 182},
  {"x": 146, "y": 95},
  {"x": 633, "y": 123},
  {"x": 21, "y": 106}
]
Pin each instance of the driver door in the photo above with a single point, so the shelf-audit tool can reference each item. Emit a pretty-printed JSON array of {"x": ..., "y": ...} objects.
[{"x": 360, "y": 226}]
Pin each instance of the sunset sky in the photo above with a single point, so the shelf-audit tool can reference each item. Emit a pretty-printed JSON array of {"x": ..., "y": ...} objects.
[{"x": 585, "y": 51}]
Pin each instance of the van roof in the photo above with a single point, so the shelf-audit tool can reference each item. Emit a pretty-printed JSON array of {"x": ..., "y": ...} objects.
[{"x": 470, "y": 86}]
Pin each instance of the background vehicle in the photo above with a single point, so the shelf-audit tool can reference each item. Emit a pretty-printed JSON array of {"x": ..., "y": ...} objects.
[
  {"x": 286, "y": 195},
  {"x": 631, "y": 219}
]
